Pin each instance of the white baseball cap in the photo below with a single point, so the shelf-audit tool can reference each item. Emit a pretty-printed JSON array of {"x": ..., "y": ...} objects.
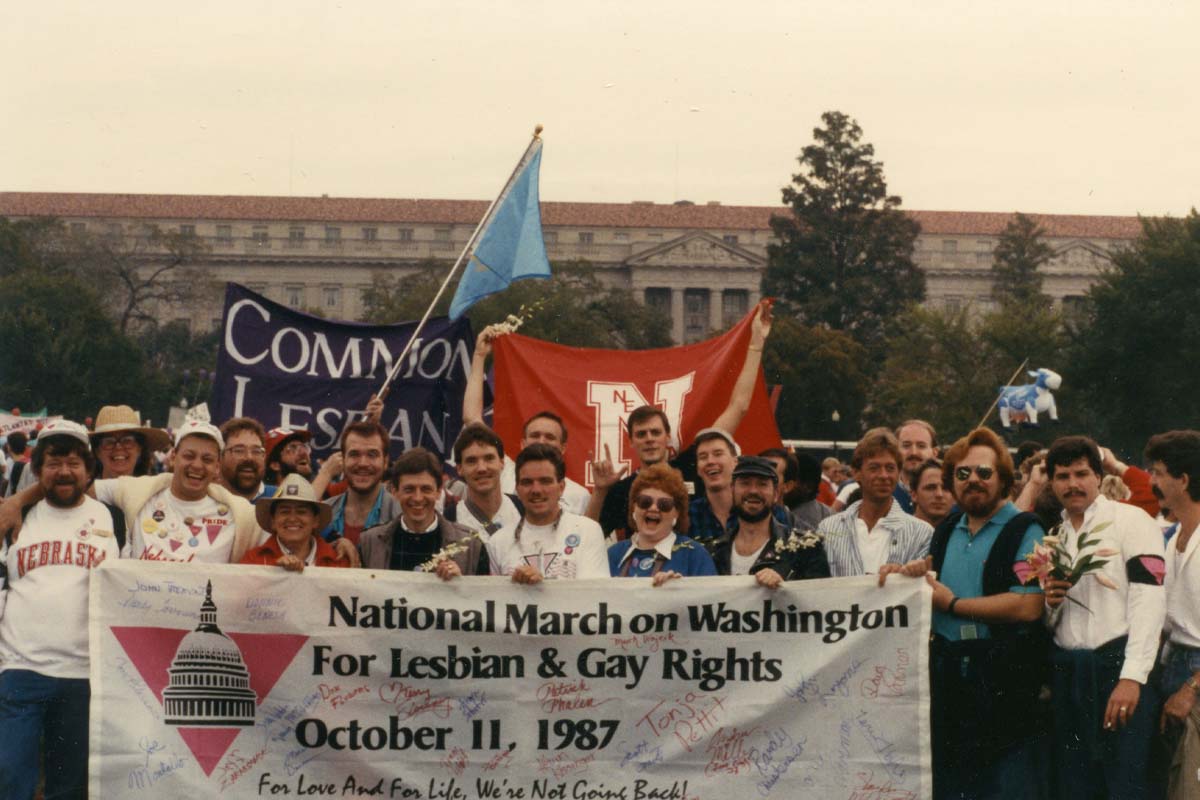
[
  {"x": 194, "y": 427},
  {"x": 64, "y": 427}
]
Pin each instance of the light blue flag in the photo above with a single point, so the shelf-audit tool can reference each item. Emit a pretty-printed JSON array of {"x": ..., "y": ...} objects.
[{"x": 511, "y": 246}]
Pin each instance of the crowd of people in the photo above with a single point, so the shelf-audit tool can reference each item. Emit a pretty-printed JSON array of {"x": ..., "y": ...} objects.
[{"x": 1056, "y": 685}]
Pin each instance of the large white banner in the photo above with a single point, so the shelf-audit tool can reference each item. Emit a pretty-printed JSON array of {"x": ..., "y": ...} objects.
[{"x": 252, "y": 682}]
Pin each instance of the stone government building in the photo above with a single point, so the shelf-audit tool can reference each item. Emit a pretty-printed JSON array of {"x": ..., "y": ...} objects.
[{"x": 701, "y": 264}]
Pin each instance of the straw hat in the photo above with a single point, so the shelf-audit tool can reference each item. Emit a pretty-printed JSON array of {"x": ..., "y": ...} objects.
[
  {"x": 123, "y": 419},
  {"x": 293, "y": 487}
]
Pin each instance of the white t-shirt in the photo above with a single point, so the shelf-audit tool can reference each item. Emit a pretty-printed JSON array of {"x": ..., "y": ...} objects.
[
  {"x": 573, "y": 547},
  {"x": 506, "y": 517},
  {"x": 170, "y": 529},
  {"x": 739, "y": 564},
  {"x": 45, "y": 624},
  {"x": 575, "y": 497},
  {"x": 872, "y": 545}
]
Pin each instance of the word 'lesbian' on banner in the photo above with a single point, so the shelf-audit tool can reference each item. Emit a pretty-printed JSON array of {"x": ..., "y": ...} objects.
[
  {"x": 290, "y": 369},
  {"x": 595, "y": 390},
  {"x": 253, "y": 682}
]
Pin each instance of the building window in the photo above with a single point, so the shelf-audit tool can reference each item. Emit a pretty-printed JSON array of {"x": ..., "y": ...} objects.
[
  {"x": 983, "y": 258},
  {"x": 405, "y": 234},
  {"x": 695, "y": 314},
  {"x": 331, "y": 297},
  {"x": 370, "y": 234},
  {"x": 949, "y": 246},
  {"x": 952, "y": 304},
  {"x": 441, "y": 234},
  {"x": 620, "y": 236},
  {"x": 187, "y": 230},
  {"x": 730, "y": 238},
  {"x": 1074, "y": 306},
  {"x": 659, "y": 298},
  {"x": 734, "y": 305},
  {"x": 296, "y": 235},
  {"x": 293, "y": 296},
  {"x": 333, "y": 234},
  {"x": 653, "y": 235},
  {"x": 224, "y": 234},
  {"x": 586, "y": 237},
  {"x": 550, "y": 237},
  {"x": 259, "y": 235}
]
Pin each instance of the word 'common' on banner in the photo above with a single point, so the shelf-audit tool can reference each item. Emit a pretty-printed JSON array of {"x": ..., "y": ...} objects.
[
  {"x": 289, "y": 369},
  {"x": 252, "y": 682}
]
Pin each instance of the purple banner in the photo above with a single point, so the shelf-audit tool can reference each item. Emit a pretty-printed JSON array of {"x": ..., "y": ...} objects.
[{"x": 286, "y": 368}]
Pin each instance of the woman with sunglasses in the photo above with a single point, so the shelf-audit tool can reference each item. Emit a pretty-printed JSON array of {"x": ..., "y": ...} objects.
[
  {"x": 658, "y": 506},
  {"x": 124, "y": 446}
]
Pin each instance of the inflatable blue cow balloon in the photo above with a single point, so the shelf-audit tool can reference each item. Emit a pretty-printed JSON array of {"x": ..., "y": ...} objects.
[{"x": 1023, "y": 404}]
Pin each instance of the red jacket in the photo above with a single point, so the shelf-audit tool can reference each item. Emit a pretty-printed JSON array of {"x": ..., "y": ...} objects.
[
  {"x": 1140, "y": 493},
  {"x": 269, "y": 552}
]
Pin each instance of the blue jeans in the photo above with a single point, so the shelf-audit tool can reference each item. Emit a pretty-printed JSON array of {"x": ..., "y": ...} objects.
[{"x": 39, "y": 713}]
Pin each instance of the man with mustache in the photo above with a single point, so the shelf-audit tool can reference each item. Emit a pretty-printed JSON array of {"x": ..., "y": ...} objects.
[
  {"x": 44, "y": 660},
  {"x": 1174, "y": 459},
  {"x": 547, "y": 542},
  {"x": 918, "y": 444},
  {"x": 874, "y": 535},
  {"x": 545, "y": 426},
  {"x": 1106, "y": 637},
  {"x": 762, "y": 545},
  {"x": 987, "y": 655},
  {"x": 288, "y": 453},
  {"x": 244, "y": 459}
]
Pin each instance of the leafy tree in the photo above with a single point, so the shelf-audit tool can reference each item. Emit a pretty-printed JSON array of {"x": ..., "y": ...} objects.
[
  {"x": 1135, "y": 346},
  {"x": 1019, "y": 254},
  {"x": 572, "y": 307},
  {"x": 844, "y": 257},
  {"x": 819, "y": 371},
  {"x": 936, "y": 368},
  {"x": 61, "y": 350}
]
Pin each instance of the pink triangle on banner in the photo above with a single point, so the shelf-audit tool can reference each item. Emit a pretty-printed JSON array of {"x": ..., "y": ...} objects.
[
  {"x": 208, "y": 745},
  {"x": 213, "y": 532},
  {"x": 266, "y": 655},
  {"x": 175, "y": 545},
  {"x": 150, "y": 650}
]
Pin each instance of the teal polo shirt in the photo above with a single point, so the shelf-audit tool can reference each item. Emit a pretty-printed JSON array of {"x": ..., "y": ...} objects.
[{"x": 962, "y": 569}]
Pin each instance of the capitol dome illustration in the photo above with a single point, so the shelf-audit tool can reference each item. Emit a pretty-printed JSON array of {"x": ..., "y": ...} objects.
[{"x": 209, "y": 684}]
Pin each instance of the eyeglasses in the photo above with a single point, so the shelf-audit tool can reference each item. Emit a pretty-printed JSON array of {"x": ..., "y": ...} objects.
[
  {"x": 241, "y": 451},
  {"x": 127, "y": 441},
  {"x": 295, "y": 447},
  {"x": 646, "y": 502},
  {"x": 964, "y": 473}
]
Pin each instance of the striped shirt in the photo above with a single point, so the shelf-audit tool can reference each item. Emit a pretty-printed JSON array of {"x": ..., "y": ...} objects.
[{"x": 910, "y": 538}]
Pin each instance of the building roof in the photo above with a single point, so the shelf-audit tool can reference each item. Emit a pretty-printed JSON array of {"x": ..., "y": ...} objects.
[{"x": 468, "y": 212}]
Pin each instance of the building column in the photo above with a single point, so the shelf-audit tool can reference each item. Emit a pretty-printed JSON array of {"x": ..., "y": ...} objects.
[
  {"x": 716, "y": 316},
  {"x": 677, "y": 314}
]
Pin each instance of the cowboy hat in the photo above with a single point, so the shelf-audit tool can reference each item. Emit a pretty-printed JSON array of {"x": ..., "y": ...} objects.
[{"x": 293, "y": 487}]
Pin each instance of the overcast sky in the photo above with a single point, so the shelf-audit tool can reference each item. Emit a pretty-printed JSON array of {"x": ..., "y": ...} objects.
[{"x": 1061, "y": 107}]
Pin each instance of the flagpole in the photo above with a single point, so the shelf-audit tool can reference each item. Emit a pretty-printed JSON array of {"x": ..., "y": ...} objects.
[
  {"x": 383, "y": 390},
  {"x": 1001, "y": 393}
]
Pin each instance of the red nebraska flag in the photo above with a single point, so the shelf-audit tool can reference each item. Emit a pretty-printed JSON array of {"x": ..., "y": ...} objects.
[{"x": 595, "y": 390}]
